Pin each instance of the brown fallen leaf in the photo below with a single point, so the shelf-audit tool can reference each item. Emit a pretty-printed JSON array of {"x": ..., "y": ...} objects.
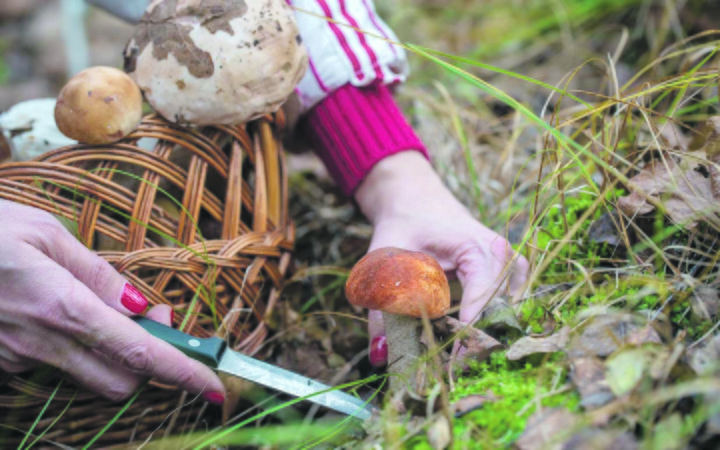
[
  {"x": 479, "y": 345},
  {"x": 596, "y": 439},
  {"x": 705, "y": 358},
  {"x": 547, "y": 430},
  {"x": 531, "y": 345},
  {"x": 606, "y": 333},
  {"x": 588, "y": 376},
  {"x": 644, "y": 335},
  {"x": 605, "y": 230},
  {"x": 705, "y": 302},
  {"x": 712, "y": 151},
  {"x": 470, "y": 403},
  {"x": 685, "y": 193}
]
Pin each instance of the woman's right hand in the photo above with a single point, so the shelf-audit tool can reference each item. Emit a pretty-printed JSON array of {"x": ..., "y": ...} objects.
[{"x": 63, "y": 305}]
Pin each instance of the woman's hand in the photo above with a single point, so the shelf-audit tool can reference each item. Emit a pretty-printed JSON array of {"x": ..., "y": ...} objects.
[
  {"x": 62, "y": 305},
  {"x": 410, "y": 208}
]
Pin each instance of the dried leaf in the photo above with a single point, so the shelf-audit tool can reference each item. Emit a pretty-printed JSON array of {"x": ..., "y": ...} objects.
[
  {"x": 439, "y": 434},
  {"x": 685, "y": 193},
  {"x": 596, "y": 439},
  {"x": 547, "y": 430},
  {"x": 712, "y": 150},
  {"x": 478, "y": 344},
  {"x": 644, "y": 335},
  {"x": 470, "y": 403},
  {"x": 705, "y": 359},
  {"x": 532, "y": 345},
  {"x": 588, "y": 376},
  {"x": 625, "y": 370},
  {"x": 705, "y": 302},
  {"x": 499, "y": 315},
  {"x": 605, "y": 231},
  {"x": 606, "y": 333}
]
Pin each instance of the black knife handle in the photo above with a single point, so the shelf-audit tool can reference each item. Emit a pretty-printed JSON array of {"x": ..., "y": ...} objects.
[{"x": 208, "y": 350}]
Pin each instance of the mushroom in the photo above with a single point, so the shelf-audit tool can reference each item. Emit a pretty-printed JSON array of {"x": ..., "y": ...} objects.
[
  {"x": 216, "y": 62},
  {"x": 28, "y": 130},
  {"x": 405, "y": 286},
  {"x": 99, "y": 105}
]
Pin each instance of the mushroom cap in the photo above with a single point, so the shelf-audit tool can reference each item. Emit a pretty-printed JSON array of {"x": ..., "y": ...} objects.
[
  {"x": 216, "y": 62},
  {"x": 99, "y": 105},
  {"x": 30, "y": 130},
  {"x": 401, "y": 282}
]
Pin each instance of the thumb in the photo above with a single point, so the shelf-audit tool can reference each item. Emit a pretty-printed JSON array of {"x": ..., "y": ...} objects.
[{"x": 95, "y": 273}]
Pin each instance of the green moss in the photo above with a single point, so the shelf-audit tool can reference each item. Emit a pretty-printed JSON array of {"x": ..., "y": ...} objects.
[
  {"x": 580, "y": 250},
  {"x": 516, "y": 386}
]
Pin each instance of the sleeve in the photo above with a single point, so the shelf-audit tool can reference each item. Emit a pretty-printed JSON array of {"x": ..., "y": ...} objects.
[
  {"x": 350, "y": 117},
  {"x": 347, "y": 43}
]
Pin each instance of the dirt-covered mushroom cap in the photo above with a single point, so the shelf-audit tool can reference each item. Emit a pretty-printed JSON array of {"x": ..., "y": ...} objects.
[
  {"x": 399, "y": 282},
  {"x": 99, "y": 105},
  {"x": 209, "y": 62}
]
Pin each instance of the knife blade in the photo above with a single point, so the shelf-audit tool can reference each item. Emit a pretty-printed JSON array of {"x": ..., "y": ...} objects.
[{"x": 213, "y": 352}]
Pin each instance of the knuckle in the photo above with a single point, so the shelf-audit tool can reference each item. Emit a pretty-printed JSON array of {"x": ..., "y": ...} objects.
[
  {"x": 99, "y": 274},
  {"x": 501, "y": 250},
  {"x": 47, "y": 233},
  {"x": 135, "y": 357},
  {"x": 185, "y": 377},
  {"x": 117, "y": 391},
  {"x": 60, "y": 311}
]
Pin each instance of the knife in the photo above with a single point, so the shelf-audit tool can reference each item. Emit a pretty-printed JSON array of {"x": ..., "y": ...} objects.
[{"x": 213, "y": 352}]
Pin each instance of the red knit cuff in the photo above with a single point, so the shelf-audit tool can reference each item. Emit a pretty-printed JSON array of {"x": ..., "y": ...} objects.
[{"x": 354, "y": 128}]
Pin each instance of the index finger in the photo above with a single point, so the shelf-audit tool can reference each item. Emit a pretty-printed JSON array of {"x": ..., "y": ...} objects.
[{"x": 123, "y": 341}]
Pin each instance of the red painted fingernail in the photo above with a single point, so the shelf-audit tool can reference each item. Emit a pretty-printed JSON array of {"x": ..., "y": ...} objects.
[
  {"x": 215, "y": 398},
  {"x": 172, "y": 316},
  {"x": 133, "y": 299},
  {"x": 378, "y": 351}
]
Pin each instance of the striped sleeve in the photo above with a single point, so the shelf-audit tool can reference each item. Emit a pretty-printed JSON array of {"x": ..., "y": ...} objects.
[{"x": 348, "y": 43}]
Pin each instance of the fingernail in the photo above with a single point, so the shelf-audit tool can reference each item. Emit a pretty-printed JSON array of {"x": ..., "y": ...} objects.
[
  {"x": 378, "y": 351},
  {"x": 133, "y": 299},
  {"x": 215, "y": 398},
  {"x": 172, "y": 316}
]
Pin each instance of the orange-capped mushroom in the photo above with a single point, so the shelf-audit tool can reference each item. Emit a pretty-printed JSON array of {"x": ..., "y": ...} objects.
[
  {"x": 400, "y": 282},
  {"x": 405, "y": 286}
]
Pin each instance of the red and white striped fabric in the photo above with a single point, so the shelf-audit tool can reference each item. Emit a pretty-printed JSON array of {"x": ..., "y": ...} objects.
[{"x": 348, "y": 44}]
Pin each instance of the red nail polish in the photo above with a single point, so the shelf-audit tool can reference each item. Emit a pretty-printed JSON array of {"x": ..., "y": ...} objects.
[
  {"x": 172, "y": 316},
  {"x": 133, "y": 299},
  {"x": 378, "y": 351},
  {"x": 215, "y": 398}
]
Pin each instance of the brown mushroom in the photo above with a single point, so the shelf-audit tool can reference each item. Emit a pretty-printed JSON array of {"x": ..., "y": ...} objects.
[
  {"x": 216, "y": 62},
  {"x": 99, "y": 105},
  {"x": 405, "y": 286}
]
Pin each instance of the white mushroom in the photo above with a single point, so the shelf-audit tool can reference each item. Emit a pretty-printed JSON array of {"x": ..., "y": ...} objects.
[
  {"x": 30, "y": 131},
  {"x": 209, "y": 62}
]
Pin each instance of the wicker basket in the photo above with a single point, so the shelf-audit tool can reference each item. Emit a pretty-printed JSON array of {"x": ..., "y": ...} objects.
[{"x": 232, "y": 184}]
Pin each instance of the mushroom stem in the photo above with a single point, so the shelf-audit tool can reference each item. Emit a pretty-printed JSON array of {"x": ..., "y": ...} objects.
[{"x": 404, "y": 351}]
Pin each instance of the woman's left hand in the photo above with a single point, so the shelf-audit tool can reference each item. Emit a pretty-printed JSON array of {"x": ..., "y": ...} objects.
[{"x": 410, "y": 208}]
